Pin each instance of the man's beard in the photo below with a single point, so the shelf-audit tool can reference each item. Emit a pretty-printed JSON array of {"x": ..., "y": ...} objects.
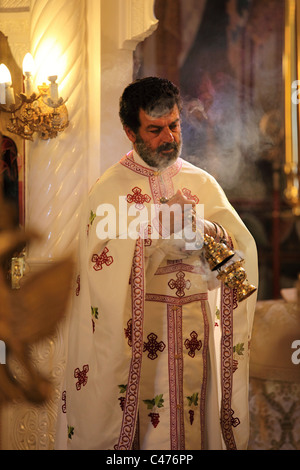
[{"x": 154, "y": 158}]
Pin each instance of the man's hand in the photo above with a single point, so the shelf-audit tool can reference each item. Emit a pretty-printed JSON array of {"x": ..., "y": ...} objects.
[
  {"x": 174, "y": 212},
  {"x": 180, "y": 209}
]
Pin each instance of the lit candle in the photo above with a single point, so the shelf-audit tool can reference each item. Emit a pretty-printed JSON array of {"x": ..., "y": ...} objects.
[
  {"x": 6, "y": 90},
  {"x": 53, "y": 87},
  {"x": 28, "y": 68}
]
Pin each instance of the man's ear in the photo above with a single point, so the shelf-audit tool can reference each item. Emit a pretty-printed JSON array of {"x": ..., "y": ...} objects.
[{"x": 130, "y": 134}]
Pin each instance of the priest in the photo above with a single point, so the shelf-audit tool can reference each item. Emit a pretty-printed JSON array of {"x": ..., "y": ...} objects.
[{"x": 158, "y": 353}]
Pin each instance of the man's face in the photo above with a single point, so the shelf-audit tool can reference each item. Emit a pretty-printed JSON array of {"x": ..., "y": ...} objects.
[{"x": 158, "y": 141}]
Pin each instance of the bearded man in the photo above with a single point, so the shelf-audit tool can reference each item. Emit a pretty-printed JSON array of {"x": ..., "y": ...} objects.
[{"x": 158, "y": 347}]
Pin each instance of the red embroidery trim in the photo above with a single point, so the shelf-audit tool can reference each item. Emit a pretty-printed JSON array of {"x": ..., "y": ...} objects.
[
  {"x": 171, "y": 268},
  {"x": 131, "y": 404},
  {"x": 155, "y": 182},
  {"x": 175, "y": 356},
  {"x": 205, "y": 373},
  {"x": 168, "y": 299},
  {"x": 102, "y": 259},
  {"x": 227, "y": 365}
]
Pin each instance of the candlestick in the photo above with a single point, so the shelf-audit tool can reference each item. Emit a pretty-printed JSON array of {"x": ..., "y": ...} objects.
[
  {"x": 28, "y": 68},
  {"x": 41, "y": 112},
  {"x": 6, "y": 92},
  {"x": 2, "y": 93},
  {"x": 9, "y": 95},
  {"x": 53, "y": 87},
  {"x": 28, "y": 87}
]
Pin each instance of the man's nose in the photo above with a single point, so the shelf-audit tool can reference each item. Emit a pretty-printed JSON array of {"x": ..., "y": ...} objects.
[{"x": 167, "y": 135}]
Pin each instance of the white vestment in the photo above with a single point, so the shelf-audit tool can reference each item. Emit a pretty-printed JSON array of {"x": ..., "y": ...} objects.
[{"x": 155, "y": 359}]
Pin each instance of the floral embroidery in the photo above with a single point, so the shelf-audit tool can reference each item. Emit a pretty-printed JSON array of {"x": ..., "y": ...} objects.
[
  {"x": 128, "y": 332},
  {"x": 138, "y": 198},
  {"x": 64, "y": 399},
  {"x": 193, "y": 403},
  {"x": 123, "y": 389},
  {"x": 70, "y": 431},
  {"x": 193, "y": 344},
  {"x": 81, "y": 375},
  {"x": 102, "y": 259},
  {"x": 94, "y": 313},
  {"x": 238, "y": 355},
  {"x": 153, "y": 404},
  {"x": 91, "y": 219},
  {"x": 217, "y": 315},
  {"x": 153, "y": 346},
  {"x": 78, "y": 285},
  {"x": 187, "y": 193},
  {"x": 180, "y": 284}
]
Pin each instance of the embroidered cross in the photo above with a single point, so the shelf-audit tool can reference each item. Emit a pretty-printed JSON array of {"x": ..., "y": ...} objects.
[
  {"x": 153, "y": 346},
  {"x": 138, "y": 198},
  {"x": 81, "y": 375},
  {"x": 187, "y": 193},
  {"x": 193, "y": 344},
  {"x": 180, "y": 284},
  {"x": 102, "y": 259}
]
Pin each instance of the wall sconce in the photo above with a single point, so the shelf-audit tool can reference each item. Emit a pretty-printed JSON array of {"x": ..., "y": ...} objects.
[{"x": 43, "y": 113}]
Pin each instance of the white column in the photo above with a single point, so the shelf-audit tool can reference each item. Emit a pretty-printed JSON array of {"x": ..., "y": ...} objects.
[{"x": 56, "y": 176}]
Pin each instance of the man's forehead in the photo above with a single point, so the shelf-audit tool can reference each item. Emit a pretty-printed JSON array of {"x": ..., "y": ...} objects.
[{"x": 167, "y": 115}]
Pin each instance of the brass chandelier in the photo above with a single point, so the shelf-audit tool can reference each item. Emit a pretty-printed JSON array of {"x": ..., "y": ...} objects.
[{"x": 44, "y": 113}]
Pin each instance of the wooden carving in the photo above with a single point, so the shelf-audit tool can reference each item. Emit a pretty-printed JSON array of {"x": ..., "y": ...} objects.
[{"x": 28, "y": 315}]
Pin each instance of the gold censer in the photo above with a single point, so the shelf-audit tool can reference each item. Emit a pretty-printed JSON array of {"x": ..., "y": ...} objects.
[{"x": 232, "y": 274}]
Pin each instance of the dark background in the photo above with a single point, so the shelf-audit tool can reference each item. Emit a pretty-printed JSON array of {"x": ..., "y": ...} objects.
[{"x": 226, "y": 57}]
